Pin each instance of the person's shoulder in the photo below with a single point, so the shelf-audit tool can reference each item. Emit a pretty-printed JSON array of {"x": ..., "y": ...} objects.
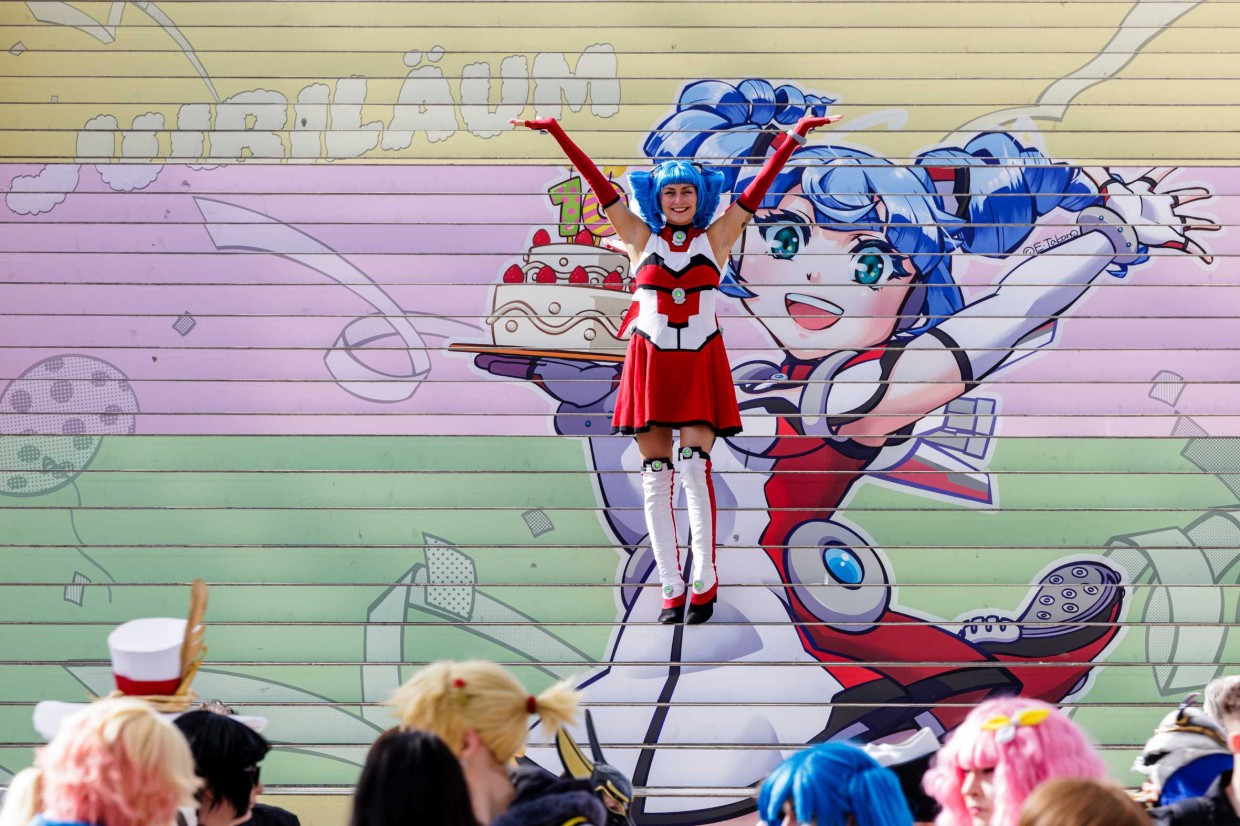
[
  {"x": 265, "y": 815},
  {"x": 530, "y": 779},
  {"x": 546, "y": 800},
  {"x": 557, "y": 806},
  {"x": 1191, "y": 811}
]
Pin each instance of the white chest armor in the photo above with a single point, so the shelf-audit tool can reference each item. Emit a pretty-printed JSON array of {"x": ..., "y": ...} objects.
[{"x": 676, "y": 292}]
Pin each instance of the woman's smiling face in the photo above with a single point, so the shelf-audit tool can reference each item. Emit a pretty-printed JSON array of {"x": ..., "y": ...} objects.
[
  {"x": 821, "y": 290},
  {"x": 679, "y": 203}
]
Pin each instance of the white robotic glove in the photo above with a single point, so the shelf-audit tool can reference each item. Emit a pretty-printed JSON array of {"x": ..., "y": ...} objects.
[{"x": 1138, "y": 216}]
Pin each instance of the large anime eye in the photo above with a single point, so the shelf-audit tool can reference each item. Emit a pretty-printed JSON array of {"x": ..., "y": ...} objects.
[
  {"x": 785, "y": 242},
  {"x": 871, "y": 261}
]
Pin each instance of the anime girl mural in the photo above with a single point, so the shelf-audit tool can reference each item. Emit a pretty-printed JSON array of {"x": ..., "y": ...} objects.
[{"x": 847, "y": 267}]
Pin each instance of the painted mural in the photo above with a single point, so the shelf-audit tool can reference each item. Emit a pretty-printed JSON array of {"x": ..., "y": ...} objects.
[{"x": 369, "y": 400}]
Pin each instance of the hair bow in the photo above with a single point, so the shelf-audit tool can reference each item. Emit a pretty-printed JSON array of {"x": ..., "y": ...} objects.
[{"x": 1004, "y": 727}]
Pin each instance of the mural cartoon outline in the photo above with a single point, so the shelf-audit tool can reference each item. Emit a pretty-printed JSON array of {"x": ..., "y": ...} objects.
[{"x": 901, "y": 350}]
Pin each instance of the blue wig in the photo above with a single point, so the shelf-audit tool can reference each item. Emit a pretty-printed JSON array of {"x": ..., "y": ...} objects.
[
  {"x": 829, "y": 782},
  {"x": 1010, "y": 185},
  {"x": 646, "y": 187}
]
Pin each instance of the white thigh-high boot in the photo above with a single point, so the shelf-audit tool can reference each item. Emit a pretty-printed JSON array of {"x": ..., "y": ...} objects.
[
  {"x": 700, "y": 501},
  {"x": 658, "y": 485}
]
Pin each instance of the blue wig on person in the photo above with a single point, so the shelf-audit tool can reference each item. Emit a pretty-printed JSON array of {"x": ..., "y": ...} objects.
[
  {"x": 646, "y": 187},
  {"x": 830, "y": 781},
  {"x": 1010, "y": 186}
]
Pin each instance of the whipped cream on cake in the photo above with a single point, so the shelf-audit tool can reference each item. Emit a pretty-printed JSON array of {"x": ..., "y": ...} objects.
[{"x": 569, "y": 296}]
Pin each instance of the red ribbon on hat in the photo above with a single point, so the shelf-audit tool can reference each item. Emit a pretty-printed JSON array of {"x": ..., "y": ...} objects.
[{"x": 142, "y": 688}]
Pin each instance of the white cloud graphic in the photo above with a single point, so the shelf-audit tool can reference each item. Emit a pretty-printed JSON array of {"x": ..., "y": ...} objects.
[
  {"x": 126, "y": 177},
  {"x": 36, "y": 194}
]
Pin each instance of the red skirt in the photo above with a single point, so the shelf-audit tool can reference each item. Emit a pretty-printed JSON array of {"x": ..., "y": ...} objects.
[{"x": 676, "y": 388}]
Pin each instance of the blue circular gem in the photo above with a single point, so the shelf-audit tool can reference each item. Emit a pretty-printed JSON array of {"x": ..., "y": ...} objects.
[{"x": 843, "y": 565}]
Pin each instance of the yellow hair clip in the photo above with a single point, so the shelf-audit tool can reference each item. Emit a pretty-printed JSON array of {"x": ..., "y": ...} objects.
[{"x": 1005, "y": 727}]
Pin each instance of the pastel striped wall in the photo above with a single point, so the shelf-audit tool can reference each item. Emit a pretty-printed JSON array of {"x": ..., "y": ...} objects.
[{"x": 240, "y": 240}]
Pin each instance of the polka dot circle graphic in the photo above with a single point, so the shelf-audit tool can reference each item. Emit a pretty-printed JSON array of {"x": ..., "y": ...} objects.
[
  {"x": 53, "y": 418},
  {"x": 62, "y": 391},
  {"x": 20, "y": 401}
]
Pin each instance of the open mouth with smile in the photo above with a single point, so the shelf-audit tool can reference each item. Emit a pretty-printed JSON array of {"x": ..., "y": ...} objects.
[{"x": 812, "y": 313}]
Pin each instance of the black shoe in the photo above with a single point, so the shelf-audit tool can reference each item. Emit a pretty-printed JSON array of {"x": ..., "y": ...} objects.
[
  {"x": 698, "y": 614},
  {"x": 673, "y": 615}
]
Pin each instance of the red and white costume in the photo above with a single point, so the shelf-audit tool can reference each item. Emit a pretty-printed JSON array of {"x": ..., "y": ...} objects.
[{"x": 676, "y": 370}]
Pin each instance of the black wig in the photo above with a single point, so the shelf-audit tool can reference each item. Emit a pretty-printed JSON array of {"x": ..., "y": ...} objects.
[
  {"x": 226, "y": 754},
  {"x": 411, "y": 777}
]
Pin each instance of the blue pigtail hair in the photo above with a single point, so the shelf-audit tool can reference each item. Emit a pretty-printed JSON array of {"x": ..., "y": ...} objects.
[
  {"x": 708, "y": 197},
  {"x": 1010, "y": 186},
  {"x": 726, "y": 127},
  {"x": 641, "y": 184},
  {"x": 646, "y": 187},
  {"x": 829, "y": 782}
]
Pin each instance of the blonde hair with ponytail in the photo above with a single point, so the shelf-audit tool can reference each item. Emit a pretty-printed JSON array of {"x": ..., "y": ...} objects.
[{"x": 449, "y": 698}]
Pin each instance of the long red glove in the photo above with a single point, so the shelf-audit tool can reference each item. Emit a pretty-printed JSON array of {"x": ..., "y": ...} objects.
[
  {"x": 784, "y": 145},
  {"x": 603, "y": 189}
]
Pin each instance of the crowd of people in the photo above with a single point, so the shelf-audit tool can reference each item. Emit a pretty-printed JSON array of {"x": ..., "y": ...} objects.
[{"x": 453, "y": 761}]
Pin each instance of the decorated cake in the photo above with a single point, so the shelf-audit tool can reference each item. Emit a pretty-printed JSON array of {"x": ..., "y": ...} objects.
[{"x": 570, "y": 296}]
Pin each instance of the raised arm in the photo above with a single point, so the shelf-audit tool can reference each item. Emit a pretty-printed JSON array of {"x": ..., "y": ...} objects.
[
  {"x": 946, "y": 360},
  {"x": 723, "y": 233},
  {"x": 632, "y": 230}
]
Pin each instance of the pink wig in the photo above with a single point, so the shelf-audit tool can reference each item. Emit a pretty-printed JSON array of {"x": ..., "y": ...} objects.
[
  {"x": 116, "y": 763},
  {"x": 1054, "y": 747}
]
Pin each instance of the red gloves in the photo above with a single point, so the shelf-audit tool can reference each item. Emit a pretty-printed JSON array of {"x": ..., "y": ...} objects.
[{"x": 603, "y": 189}]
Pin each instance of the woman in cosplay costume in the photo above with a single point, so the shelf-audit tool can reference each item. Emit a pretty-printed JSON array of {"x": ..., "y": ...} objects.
[
  {"x": 1003, "y": 750},
  {"x": 676, "y": 374}
]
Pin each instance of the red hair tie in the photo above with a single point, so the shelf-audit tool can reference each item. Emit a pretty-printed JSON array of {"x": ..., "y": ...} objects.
[
  {"x": 531, "y": 704},
  {"x": 458, "y": 694}
]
